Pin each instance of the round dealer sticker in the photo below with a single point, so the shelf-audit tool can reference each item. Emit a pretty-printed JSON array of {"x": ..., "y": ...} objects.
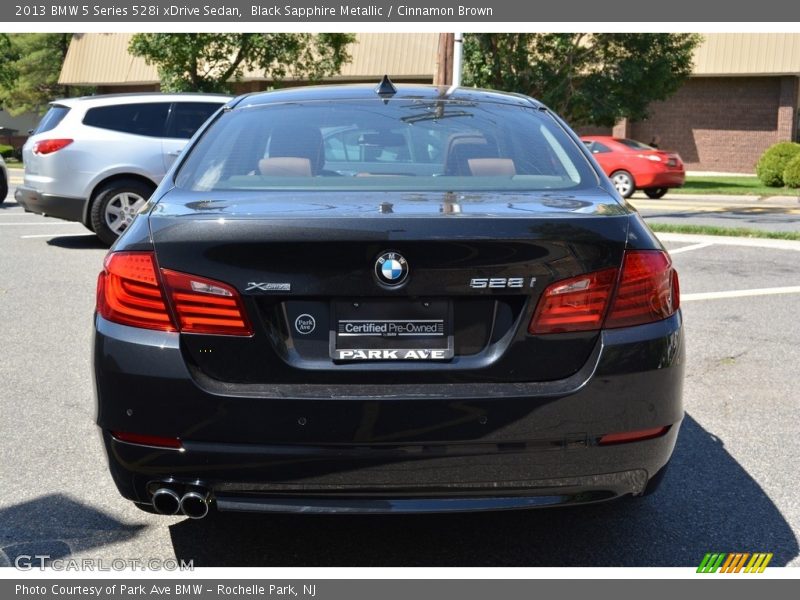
[{"x": 305, "y": 324}]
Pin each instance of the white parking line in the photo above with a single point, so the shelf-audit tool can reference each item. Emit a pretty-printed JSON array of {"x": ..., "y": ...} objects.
[
  {"x": 62, "y": 223},
  {"x": 692, "y": 247},
  {"x": 50, "y": 235},
  {"x": 794, "y": 289}
]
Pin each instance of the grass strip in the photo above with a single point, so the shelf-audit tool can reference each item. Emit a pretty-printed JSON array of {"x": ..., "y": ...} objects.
[{"x": 724, "y": 231}]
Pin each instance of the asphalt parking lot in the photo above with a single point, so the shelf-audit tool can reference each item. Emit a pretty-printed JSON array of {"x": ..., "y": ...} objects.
[{"x": 731, "y": 487}]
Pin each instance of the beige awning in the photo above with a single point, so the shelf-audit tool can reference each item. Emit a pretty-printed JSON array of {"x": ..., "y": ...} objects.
[
  {"x": 102, "y": 59},
  {"x": 737, "y": 54}
]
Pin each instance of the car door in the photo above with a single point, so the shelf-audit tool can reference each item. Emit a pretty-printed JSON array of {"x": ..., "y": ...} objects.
[{"x": 184, "y": 120}]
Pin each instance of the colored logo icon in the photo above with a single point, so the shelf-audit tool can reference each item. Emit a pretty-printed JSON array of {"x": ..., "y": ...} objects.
[{"x": 391, "y": 269}]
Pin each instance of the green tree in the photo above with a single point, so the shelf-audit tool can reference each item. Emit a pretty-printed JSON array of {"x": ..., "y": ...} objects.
[
  {"x": 29, "y": 78},
  {"x": 588, "y": 78},
  {"x": 8, "y": 56},
  {"x": 211, "y": 62}
]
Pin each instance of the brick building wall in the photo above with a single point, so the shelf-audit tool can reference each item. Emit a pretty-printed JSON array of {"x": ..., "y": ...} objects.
[{"x": 720, "y": 123}]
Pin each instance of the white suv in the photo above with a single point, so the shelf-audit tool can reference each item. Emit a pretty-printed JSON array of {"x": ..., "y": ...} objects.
[
  {"x": 3, "y": 180},
  {"x": 97, "y": 159}
]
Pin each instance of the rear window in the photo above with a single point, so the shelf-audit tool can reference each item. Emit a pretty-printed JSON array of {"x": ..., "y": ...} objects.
[
  {"x": 147, "y": 119},
  {"x": 635, "y": 145},
  {"x": 597, "y": 147},
  {"x": 399, "y": 145},
  {"x": 186, "y": 118},
  {"x": 52, "y": 118}
]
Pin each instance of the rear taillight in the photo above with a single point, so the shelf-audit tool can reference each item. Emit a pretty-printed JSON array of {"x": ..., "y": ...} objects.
[
  {"x": 206, "y": 306},
  {"x": 650, "y": 157},
  {"x": 130, "y": 292},
  {"x": 576, "y": 304},
  {"x": 647, "y": 290},
  {"x": 50, "y": 146}
]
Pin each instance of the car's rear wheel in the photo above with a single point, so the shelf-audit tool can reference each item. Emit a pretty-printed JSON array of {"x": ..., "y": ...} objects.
[
  {"x": 3, "y": 188},
  {"x": 115, "y": 206},
  {"x": 655, "y": 193},
  {"x": 624, "y": 183}
]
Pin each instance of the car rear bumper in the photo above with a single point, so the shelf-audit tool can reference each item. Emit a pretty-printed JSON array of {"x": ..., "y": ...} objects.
[
  {"x": 438, "y": 447},
  {"x": 667, "y": 179},
  {"x": 61, "y": 207}
]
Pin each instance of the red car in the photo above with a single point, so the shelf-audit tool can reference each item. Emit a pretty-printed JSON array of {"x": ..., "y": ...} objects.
[{"x": 632, "y": 165}]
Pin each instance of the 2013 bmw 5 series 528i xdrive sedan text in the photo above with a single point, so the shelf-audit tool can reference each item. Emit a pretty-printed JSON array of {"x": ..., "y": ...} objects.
[{"x": 386, "y": 299}]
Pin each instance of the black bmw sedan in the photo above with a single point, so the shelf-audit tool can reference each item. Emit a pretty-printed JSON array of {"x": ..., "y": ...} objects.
[{"x": 391, "y": 299}]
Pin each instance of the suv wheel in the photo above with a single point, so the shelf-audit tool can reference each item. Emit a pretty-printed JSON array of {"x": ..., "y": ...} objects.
[
  {"x": 3, "y": 188},
  {"x": 115, "y": 206}
]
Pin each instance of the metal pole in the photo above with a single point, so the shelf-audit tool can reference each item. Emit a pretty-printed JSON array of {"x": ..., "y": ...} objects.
[{"x": 458, "y": 53}]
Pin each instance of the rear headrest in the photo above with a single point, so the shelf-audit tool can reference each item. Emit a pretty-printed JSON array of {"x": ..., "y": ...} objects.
[
  {"x": 464, "y": 148},
  {"x": 299, "y": 141},
  {"x": 491, "y": 167},
  {"x": 285, "y": 166}
]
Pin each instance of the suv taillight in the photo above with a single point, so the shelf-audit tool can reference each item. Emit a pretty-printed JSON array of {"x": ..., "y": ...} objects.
[
  {"x": 647, "y": 290},
  {"x": 50, "y": 146},
  {"x": 130, "y": 292}
]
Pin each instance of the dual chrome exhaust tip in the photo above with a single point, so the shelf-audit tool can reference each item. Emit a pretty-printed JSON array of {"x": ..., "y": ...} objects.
[{"x": 193, "y": 504}]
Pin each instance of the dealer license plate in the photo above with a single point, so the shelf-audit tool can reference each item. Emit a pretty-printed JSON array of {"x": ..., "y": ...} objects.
[{"x": 391, "y": 330}]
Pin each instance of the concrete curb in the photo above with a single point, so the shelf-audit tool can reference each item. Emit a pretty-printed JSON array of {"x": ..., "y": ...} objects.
[{"x": 729, "y": 197}]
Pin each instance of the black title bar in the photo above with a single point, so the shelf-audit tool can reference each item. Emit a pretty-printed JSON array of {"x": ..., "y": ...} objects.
[{"x": 334, "y": 11}]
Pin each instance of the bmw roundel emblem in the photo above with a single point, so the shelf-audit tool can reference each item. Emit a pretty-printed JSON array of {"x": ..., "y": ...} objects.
[{"x": 391, "y": 268}]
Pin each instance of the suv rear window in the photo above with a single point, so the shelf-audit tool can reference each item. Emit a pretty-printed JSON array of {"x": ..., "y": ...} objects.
[
  {"x": 401, "y": 145},
  {"x": 187, "y": 117},
  {"x": 52, "y": 118},
  {"x": 147, "y": 118}
]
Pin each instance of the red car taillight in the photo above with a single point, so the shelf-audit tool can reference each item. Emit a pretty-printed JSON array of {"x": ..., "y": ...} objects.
[
  {"x": 50, "y": 146},
  {"x": 129, "y": 292},
  {"x": 647, "y": 291}
]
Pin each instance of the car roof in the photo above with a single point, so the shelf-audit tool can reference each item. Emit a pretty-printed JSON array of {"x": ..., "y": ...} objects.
[
  {"x": 108, "y": 99},
  {"x": 368, "y": 91}
]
